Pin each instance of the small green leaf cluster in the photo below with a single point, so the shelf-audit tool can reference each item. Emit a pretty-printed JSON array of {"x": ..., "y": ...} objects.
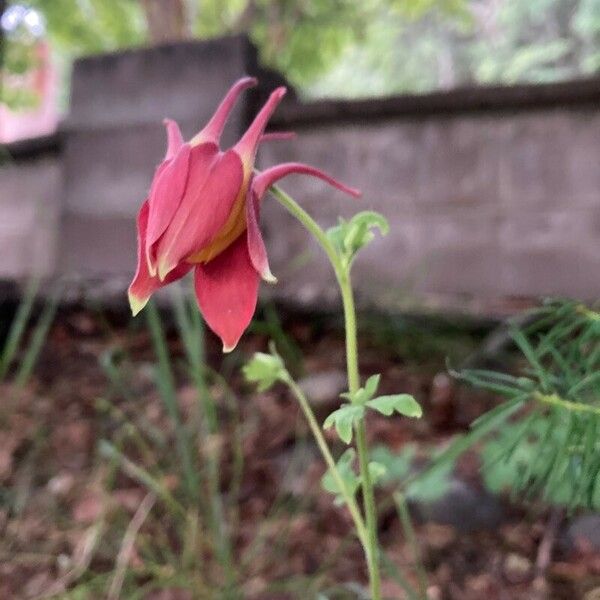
[
  {"x": 345, "y": 417},
  {"x": 348, "y": 237},
  {"x": 265, "y": 370}
]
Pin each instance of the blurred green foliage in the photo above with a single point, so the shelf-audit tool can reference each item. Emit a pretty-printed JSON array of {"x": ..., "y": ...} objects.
[
  {"x": 473, "y": 42},
  {"x": 547, "y": 443},
  {"x": 87, "y": 26},
  {"x": 367, "y": 48}
]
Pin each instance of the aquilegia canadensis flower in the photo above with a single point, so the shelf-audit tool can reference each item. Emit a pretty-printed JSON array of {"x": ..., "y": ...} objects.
[{"x": 202, "y": 213}]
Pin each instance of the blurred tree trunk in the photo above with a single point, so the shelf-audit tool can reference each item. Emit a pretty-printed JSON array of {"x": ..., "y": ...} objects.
[{"x": 167, "y": 20}]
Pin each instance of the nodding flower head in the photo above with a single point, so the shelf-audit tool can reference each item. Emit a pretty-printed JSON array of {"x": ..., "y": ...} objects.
[{"x": 202, "y": 212}]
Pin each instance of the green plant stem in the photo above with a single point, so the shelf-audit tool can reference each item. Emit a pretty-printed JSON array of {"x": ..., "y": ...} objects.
[
  {"x": 556, "y": 400},
  {"x": 329, "y": 460},
  {"x": 342, "y": 273},
  {"x": 310, "y": 224},
  {"x": 362, "y": 448}
]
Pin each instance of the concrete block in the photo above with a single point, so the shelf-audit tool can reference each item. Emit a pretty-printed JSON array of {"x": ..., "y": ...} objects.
[
  {"x": 182, "y": 81},
  {"x": 109, "y": 171},
  {"x": 95, "y": 248},
  {"x": 30, "y": 204}
]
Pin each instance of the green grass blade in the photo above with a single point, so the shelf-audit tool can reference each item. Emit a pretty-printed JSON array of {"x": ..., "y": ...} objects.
[
  {"x": 165, "y": 381},
  {"x": 38, "y": 337},
  {"x": 18, "y": 327}
]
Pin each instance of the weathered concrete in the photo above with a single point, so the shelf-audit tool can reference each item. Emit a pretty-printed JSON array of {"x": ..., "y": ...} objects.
[
  {"x": 30, "y": 205},
  {"x": 115, "y": 138},
  {"x": 486, "y": 204},
  {"x": 491, "y": 193}
]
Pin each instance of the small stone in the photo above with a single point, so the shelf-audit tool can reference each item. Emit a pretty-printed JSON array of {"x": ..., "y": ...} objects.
[
  {"x": 324, "y": 388},
  {"x": 64, "y": 563},
  {"x": 295, "y": 468},
  {"x": 434, "y": 592},
  {"x": 61, "y": 484},
  {"x": 517, "y": 568}
]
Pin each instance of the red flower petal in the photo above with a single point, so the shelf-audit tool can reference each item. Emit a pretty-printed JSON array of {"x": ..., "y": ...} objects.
[
  {"x": 174, "y": 138},
  {"x": 227, "y": 291},
  {"x": 248, "y": 143},
  {"x": 166, "y": 193},
  {"x": 214, "y": 183},
  {"x": 214, "y": 128},
  {"x": 256, "y": 244},
  {"x": 144, "y": 284},
  {"x": 263, "y": 181}
]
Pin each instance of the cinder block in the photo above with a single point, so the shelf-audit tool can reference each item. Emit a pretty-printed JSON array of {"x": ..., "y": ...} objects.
[
  {"x": 488, "y": 194},
  {"x": 109, "y": 171},
  {"x": 458, "y": 161},
  {"x": 98, "y": 247},
  {"x": 30, "y": 205},
  {"x": 534, "y": 160},
  {"x": 182, "y": 81},
  {"x": 114, "y": 137}
]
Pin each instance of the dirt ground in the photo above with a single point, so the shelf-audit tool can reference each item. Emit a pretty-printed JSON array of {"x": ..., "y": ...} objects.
[{"x": 65, "y": 505}]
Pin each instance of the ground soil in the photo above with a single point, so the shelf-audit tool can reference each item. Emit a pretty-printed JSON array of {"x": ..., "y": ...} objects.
[{"x": 55, "y": 484}]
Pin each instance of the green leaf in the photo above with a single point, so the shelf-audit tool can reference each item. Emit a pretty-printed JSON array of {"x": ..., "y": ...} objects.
[
  {"x": 372, "y": 385},
  {"x": 403, "y": 404},
  {"x": 264, "y": 370},
  {"x": 344, "y": 418},
  {"x": 346, "y": 471},
  {"x": 350, "y": 236},
  {"x": 397, "y": 465},
  {"x": 377, "y": 472},
  {"x": 364, "y": 394}
]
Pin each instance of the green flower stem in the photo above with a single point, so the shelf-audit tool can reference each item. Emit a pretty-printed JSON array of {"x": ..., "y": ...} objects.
[
  {"x": 362, "y": 448},
  {"x": 342, "y": 273},
  {"x": 311, "y": 225},
  {"x": 329, "y": 460}
]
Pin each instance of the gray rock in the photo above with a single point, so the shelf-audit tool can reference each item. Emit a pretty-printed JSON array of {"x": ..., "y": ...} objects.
[
  {"x": 325, "y": 387},
  {"x": 294, "y": 467},
  {"x": 464, "y": 507}
]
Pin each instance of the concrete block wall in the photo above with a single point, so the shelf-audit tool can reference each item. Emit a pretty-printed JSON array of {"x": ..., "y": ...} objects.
[
  {"x": 500, "y": 202},
  {"x": 491, "y": 193},
  {"x": 114, "y": 138},
  {"x": 30, "y": 208}
]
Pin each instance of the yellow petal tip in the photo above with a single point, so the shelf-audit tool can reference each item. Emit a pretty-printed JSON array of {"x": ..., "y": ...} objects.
[
  {"x": 227, "y": 349},
  {"x": 163, "y": 269},
  {"x": 136, "y": 304},
  {"x": 268, "y": 277}
]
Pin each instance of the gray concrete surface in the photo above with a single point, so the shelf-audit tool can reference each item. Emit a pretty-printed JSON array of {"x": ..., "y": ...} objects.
[{"x": 491, "y": 194}]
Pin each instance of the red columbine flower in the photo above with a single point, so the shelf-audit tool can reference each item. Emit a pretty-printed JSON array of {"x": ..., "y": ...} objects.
[{"x": 202, "y": 212}]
